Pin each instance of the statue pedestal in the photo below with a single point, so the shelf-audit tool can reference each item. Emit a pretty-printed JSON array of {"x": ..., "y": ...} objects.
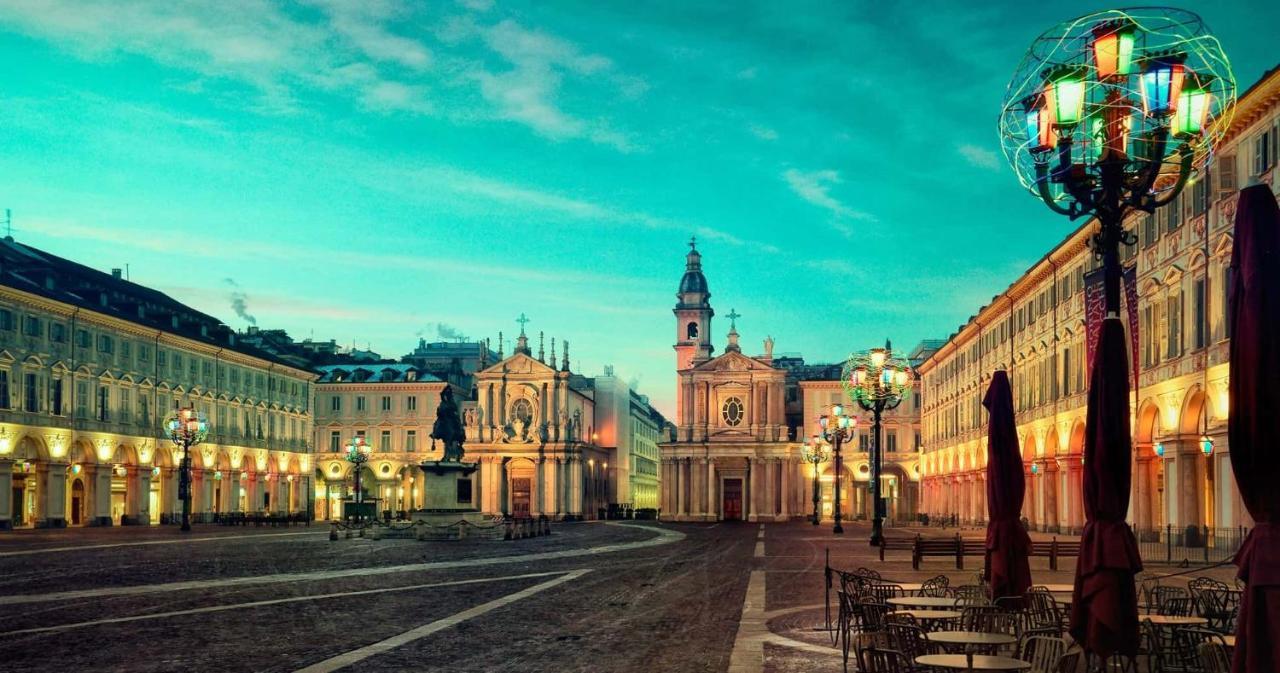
[{"x": 450, "y": 512}]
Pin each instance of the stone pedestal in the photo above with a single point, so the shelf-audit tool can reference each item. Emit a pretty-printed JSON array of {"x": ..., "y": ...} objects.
[{"x": 450, "y": 495}]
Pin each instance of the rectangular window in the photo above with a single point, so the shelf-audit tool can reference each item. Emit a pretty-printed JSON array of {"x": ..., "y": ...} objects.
[
  {"x": 125, "y": 349},
  {"x": 1227, "y": 182},
  {"x": 384, "y": 441},
  {"x": 891, "y": 442},
  {"x": 57, "y": 332},
  {"x": 1173, "y": 215},
  {"x": 1262, "y": 159},
  {"x": 335, "y": 403},
  {"x": 82, "y": 399},
  {"x": 917, "y": 443},
  {"x": 144, "y": 410},
  {"x": 411, "y": 403},
  {"x": 105, "y": 344},
  {"x": 863, "y": 442},
  {"x": 335, "y": 441},
  {"x": 104, "y": 397},
  {"x": 6, "y": 319},
  {"x": 176, "y": 361},
  {"x": 31, "y": 326},
  {"x": 4, "y": 389},
  {"x": 411, "y": 441},
  {"x": 82, "y": 338},
  {"x": 162, "y": 357},
  {"x": 144, "y": 353},
  {"x": 1200, "y": 327},
  {"x": 55, "y": 397},
  {"x": 30, "y": 399},
  {"x": 360, "y": 406},
  {"x": 126, "y": 405},
  {"x": 386, "y": 403}
]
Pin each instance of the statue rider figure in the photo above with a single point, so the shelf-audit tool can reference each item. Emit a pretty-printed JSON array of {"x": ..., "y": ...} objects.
[{"x": 448, "y": 427}]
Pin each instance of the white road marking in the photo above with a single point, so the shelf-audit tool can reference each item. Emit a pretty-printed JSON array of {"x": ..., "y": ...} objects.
[
  {"x": 748, "y": 645},
  {"x": 759, "y": 548},
  {"x": 51, "y": 550},
  {"x": 358, "y": 655},
  {"x": 276, "y": 601},
  {"x": 663, "y": 537}
]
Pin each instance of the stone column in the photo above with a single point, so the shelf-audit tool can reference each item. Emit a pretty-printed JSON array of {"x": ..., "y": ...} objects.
[
  {"x": 1142, "y": 488},
  {"x": 1049, "y": 467},
  {"x": 1190, "y": 485},
  {"x": 54, "y": 493},
  {"x": 99, "y": 513},
  {"x": 788, "y": 475},
  {"x": 712, "y": 504},
  {"x": 144, "y": 496},
  {"x": 577, "y": 486},
  {"x": 748, "y": 491},
  {"x": 6, "y": 493}
]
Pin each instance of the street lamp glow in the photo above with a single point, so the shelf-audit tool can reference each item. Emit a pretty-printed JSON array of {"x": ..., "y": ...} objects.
[
  {"x": 1065, "y": 94},
  {"x": 878, "y": 380},
  {"x": 1113, "y": 48},
  {"x": 186, "y": 428},
  {"x": 1161, "y": 83}
]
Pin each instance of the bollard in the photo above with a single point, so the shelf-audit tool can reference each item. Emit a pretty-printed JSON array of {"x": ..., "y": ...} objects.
[{"x": 333, "y": 532}]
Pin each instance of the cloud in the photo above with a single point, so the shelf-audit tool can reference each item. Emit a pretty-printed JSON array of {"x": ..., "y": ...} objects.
[
  {"x": 979, "y": 157},
  {"x": 815, "y": 188},
  {"x": 763, "y": 132}
]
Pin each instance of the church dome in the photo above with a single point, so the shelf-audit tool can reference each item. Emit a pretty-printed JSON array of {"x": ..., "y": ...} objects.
[{"x": 693, "y": 280}]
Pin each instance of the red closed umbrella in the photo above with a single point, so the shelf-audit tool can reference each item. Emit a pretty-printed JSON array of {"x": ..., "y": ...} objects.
[
  {"x": 1008, "y": 545},
  {"x": 1253, "y": 425},
  {"x": 1104, "y": 602}
]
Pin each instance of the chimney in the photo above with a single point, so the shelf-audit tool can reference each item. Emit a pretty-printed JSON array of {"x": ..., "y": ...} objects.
[{"x": 115, "y": 273}]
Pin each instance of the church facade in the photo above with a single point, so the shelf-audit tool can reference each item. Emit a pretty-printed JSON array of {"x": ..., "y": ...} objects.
[{"x": 730, "y": 458}]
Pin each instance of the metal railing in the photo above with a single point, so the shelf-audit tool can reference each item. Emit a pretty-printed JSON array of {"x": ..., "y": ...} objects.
[{"x": 1189, "y": 544}]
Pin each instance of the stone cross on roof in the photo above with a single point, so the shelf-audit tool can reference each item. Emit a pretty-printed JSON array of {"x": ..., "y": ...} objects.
[
  {"x": 733, "y": 316},
  {"x": 522, "y": 320},
  {"x": 693, "y": 242}
]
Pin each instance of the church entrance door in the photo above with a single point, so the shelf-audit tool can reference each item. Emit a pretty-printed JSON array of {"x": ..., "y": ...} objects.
[
  {"x": 732, "y": 500},
  {"x": 520, "y": 496}
]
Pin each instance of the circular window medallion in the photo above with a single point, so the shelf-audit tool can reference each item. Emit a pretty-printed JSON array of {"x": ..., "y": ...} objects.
[
  {"x": 732, "y": 411},
  {"x": 863, "y": 468},
  {"x": 386, "y": 469},
  {"x": 334, "y": 468}
]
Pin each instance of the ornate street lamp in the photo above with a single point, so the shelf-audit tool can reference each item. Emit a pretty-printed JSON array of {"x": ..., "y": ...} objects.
[
  {"x": 836, "y": 427},
  {"x": 815, "y": 452},
  {"x": 186, "y": 428},
  {"x": 878, "y": 380},
  {"x": 358, "y": 452},
  {"x": 1116, "y": 112}
]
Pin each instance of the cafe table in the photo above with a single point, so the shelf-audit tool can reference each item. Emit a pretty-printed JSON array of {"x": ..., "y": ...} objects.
[
  {"x": 1173, "y": 620},
  {"x": 975, "y": 638},
  {"x": 923, "y": 602},
  {"x": 1059, "y": 588},
  {"x": 929, "y": 615},
  {"x": 1229, "y": 641},
  {"x": 977, "y": 662}
]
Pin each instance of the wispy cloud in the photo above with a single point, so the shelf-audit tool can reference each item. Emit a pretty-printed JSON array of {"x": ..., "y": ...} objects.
[
  {"x": 815, "y": 188},
  {"x": 763, "y": 132},
  {"x": 979, "y": 157}
]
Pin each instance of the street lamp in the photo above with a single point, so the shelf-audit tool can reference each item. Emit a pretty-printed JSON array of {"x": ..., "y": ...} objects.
[
  {"x": 878, "y": 380},
  {"x": 186, "y": 428},
  {"x": 358, "y": 452},
  {"x": 1116, "y": 112},
  {"x": 836, "y": 427},
  {"x": 815, "y": 452}
]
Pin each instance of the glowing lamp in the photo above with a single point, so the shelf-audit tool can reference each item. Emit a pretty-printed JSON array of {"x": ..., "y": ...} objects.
[
  {"x": 1193, "y": 109},
  {"x": 1158, "y": 448},
  {"x": 1161, "y": 84},
  {"x": 822, "y": 422},
  {"x": 1065, "y": 95},
  {"x": 900, "y": 377},
  {"x": 843, "y": 422},
  {"x": 75, "y": 469},
  {"x": 877, "y": 358},
  {"x": 1113, "y": 48},
  {"x": 1206, "y": 445},
  {"x": 1035, "y": 469},
  {"x": 217, "y": 476},
  {"x": 886, "y": 376},
  {"x": 1039, "y": 123},
  {"x": 837, "y": 410},
  {"x": 155, "y": 471}
]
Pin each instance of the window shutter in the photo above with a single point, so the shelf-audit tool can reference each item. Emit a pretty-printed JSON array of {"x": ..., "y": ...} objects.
[{"x": 1227, "y": 173}]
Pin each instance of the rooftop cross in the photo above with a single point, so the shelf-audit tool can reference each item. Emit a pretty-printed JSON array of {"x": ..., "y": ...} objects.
[
  {"x": 733, "y": 316},
  {"x": 522, "y": 320},
  {"x": 693, "y": 242}
]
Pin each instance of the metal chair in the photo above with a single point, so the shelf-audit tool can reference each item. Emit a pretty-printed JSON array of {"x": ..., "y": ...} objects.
[
  {"x": 864, "y": 641},
  {"x": 1213, "y": 658},
  {"x": 1175, "y": 606},
  {"x": 1170, "y": 650},
  {"x": 970, "y": 594},
  {"x": 876, "y": 660},
  {"x": 1042, "y": 611},
  {"x": 1220, "y": 606},
  {"x": 886, "y": 590},
  {"x": 1162, "y": 593},
  {"x": 908, "y": 639},
  {"x": 988, "y": 619},
  {"x": 935, "y": 586},
  {"x": 1045, "y": 654}
]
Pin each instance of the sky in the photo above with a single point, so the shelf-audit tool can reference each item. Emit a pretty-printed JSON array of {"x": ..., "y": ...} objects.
[{"x": 376, "y": 172}]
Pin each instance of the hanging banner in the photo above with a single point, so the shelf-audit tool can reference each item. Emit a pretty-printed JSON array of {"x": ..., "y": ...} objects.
[
  {"x": 1131, "y": 308},
  {"x": 1095, "y": 302}
]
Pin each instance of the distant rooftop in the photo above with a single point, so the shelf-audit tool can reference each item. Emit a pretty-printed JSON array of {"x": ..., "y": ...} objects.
[{"x": 375, "y": 373}]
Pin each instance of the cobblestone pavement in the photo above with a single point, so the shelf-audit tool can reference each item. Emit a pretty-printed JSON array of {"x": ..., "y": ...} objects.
[{"x": 591, "y": 597}]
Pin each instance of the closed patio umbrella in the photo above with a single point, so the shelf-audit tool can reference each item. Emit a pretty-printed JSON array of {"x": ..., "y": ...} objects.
[
  {"x": 1104, "y": 602},
  {"x": 1008, "y": 545},
  {"x": 1253, "y": 425}
]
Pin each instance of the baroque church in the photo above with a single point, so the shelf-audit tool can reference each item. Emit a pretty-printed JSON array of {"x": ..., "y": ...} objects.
[{"x": 730, "y": 459}]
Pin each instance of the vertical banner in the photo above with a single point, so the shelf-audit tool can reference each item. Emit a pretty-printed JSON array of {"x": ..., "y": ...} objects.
[
  {"x": 1095, "y": 302},
  {"x": 1130, "y": 278}
]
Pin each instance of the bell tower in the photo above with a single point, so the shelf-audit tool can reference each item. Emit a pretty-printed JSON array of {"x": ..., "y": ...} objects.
[{"x": 693, "y": 319}]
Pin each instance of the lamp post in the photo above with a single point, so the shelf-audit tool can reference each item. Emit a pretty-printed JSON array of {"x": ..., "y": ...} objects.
[
  {"x": 878, "y": 380},
  {"x": 815, "y": 452},
  {"x": 186, "y": 428},
  {"x": 1113, "y": 113},
  {"x": 358, "y": 452},
  {"x": 836, "y": 427}
]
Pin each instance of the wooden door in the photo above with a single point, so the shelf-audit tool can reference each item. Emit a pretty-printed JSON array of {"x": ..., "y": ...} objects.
[
  {"x": 521, "y": 492},
  {"x": 732, "y": 500}
]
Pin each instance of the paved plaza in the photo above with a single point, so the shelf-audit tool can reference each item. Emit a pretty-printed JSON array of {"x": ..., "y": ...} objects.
[{"x": 734, "y": 597}]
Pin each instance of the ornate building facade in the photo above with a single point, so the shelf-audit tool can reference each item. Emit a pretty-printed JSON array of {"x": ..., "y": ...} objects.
[
  {"x": 90, "y": 366},
  {"x": 1036, "y": 330}
]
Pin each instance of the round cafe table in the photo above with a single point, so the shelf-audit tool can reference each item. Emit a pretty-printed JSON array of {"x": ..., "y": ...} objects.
[
  {"x": 1230, "y": 640},
  {"x": 979, "y": 662},
  {"x": 978, "y": 638},
  {"x": 922, "y": 602},
  {"x": 1059, "y": 588},
  {"x": 1171, "y": 620},
  {"x": 929, "y": 615}
]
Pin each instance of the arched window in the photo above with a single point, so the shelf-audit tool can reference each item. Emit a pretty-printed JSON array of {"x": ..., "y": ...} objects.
[{"x": 692, "y": 330}]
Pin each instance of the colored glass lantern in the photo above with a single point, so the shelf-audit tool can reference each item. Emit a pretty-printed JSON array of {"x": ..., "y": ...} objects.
[
  {"x": 1158, "y": 448},
  {"x": 822, "y": 422},
  {"x": 1065, "y": 95},
  {"x": 1193, "y": 108},
  {"x": 877, "y": 358},
  {"x": 1161, "y": 83},
  {"x": 837, "y": 409},
  {"x": 1113, "y": 48},
  {"x": 1206, "y": 445},
  {"x": 1035, "y": 469},
  {"x": 844, "y": 422}
]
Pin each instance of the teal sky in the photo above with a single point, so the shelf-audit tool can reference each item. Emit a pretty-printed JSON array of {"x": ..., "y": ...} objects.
[{"x": 373, "y": 172}]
